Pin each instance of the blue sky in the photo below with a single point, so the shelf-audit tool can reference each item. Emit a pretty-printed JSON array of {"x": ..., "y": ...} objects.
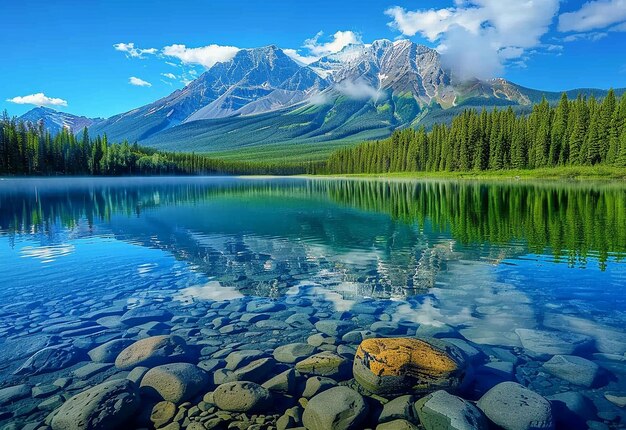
[{"x": 63, "y": 53}]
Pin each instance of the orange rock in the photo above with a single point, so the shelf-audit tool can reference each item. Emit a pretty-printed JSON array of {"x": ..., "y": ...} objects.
[{"x": 395, "y": 365}]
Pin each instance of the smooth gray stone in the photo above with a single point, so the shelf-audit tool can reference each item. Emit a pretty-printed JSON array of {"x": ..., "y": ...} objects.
[
  {"x": 514, "y": 407},
  {"x": 316, "y": 384},
  {"x": 241, "y": 396},
  {"x": 153, "y": 351},
  {"x": 242, "y": 357},
  {"x": 174, "y": 382},
  {"x": 334, "y": 409},
  {"x": 544, "y": 344},
  {"x": 48, "y": 360},
  {"x": 143, "y": 315},
  {"x": 293, "y": 352},
  {"x": 573, "y": 369},
  {"x": 441, "y": 410},
  {"x": 108, "y": 352},
  {"x": 110, "y": 405},
  {"x": 13, "y": 393},
  {"x": 399, "y": 408}
]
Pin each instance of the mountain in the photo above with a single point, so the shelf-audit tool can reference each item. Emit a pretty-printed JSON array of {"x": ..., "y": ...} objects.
[
  {"x": 263, "y": 98},
  {"x": 55, "y": 121},
  {"x": 254, "y": 81}
]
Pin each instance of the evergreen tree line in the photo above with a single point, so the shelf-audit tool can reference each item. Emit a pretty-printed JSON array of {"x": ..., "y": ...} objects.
[
  {"x": 29, "y": 149},
  {"x": 572, "y": 133}
]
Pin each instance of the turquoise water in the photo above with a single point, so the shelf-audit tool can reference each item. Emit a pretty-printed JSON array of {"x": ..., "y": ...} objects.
[{"x": 474, "y": 261}]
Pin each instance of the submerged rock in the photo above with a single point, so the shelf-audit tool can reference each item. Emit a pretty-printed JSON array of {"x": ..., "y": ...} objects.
[
  {"x": 543, "y": 344},
  {"x": 440, "y": 410},
  {"x": 16, "y": 392},
  {"x": 153, "y": 351},
  {"x": 48, "y": 360},
  {"x": 109, "y": 405},
  {"x": 398, "y": 365},
  {"x": 241, "y": 396},
  {"x": 108, "y": 352},
  {"x": 573, "y": 369},
  {"x": 324, "y": 364},
  {"x": 144, "y": 314},
  {"x": 175, "y": 382},
  {"x": 293, "y": 352},
  {"x": 335, "y": 409},
  {"x": 514, "y": 407}
]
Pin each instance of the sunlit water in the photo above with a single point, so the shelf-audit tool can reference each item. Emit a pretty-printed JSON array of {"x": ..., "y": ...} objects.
[{"x": 468, "y": 260}]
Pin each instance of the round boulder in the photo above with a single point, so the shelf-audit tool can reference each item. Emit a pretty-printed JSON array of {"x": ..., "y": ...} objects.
[
  {"x": 175, "y": 382},
  {"x": 573, "y": 369},
  {"x": 241, "y": 396},
  {"x": 515, "y": 407},
  {"x": 440, "y": 410},
  {"x": 391, "y": 366},
  {"x": 153, "y": 351},
  {"x": 109, "y": 405},
  {"x": 339, "y": 408}
]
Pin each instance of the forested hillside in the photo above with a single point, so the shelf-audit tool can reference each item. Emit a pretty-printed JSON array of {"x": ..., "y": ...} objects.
[
  {"x": 27, "y": 149},
  {"x": 572, "y": 133}
]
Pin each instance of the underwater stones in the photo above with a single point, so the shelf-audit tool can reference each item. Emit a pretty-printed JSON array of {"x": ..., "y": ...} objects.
[
  {"x": 255, "y": 371},
  {"x": 607, "y": 339},
  {"x": 514, "y": 407},
  {"x": 334, "y": 327},
  {"x": 174, "y": 382},
  {"x": 106, "y": 406},
  {"x": 336, "y": 408},
  {"x": 571, "y": 410},
  {"x": 573, "y": 369},
  {"x": 107, "y": 352},
  {"x": 301, "y": 320},
  {"x": 162, "y": 413},
  {"x": 398, "y": 365},
  {"x": 316, "y": 384},
  {"x": 441, "y": 410},
  {"x": 543, "y": 344},
  {"x": 153, "y": 351},
  {"x": 90, "y": 369},
  {"x": 293, "y": 352},
  {"x": 397, "y": 425},
  {"x": 284, "y": 382},
  {"x": 264, "y": 307},
  {"x": 324, "y": 364},
  {"x": 144, "y": 314},
  {"x": 240, "y": 358},
  {"x": 320, "y": 339},
  {"x": 14, "y": 393},
  {"x": 241, "y": 396},
  {"x": 617, "y": 399},
  {"x": 385, "y": 328},
  {"x": 400, "y": 408},
  {"x": 48, "y": 360}
]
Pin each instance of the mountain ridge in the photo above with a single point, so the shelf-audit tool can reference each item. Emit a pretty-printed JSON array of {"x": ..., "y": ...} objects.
[{"x": 262, "y": 96}]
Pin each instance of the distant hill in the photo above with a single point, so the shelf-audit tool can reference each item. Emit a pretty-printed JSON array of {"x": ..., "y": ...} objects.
[{"x": 55, "y": 121}]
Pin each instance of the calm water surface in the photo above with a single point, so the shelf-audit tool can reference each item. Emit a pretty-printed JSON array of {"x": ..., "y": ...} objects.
[{"x": 466, "y": 260}]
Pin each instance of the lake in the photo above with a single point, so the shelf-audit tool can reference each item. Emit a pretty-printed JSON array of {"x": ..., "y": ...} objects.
[{"x": 511, "y": 273}]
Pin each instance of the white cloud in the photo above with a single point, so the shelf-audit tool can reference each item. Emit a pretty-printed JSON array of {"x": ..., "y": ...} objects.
[
  {"x": 359, "y": 90},
  {"x": 206, "y": 56},
  {"x": 131, "y": 51},
  {"x": 302, "y": 59},
  {"x": 594, "y": 15},
  {"x": 592, "y": 36},
  {"x": 38, "y": 99},
  {"x": 477, "y": 37},
  {"x": 169, "y": 75},
  {"x": 340, "y": 40},
  {"x": 138, "y": 82}
]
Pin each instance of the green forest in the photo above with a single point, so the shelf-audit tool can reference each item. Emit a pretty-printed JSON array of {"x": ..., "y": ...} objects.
[
  {"x": 29, "y": 149},
  {"x": 580, "y": 132}
]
